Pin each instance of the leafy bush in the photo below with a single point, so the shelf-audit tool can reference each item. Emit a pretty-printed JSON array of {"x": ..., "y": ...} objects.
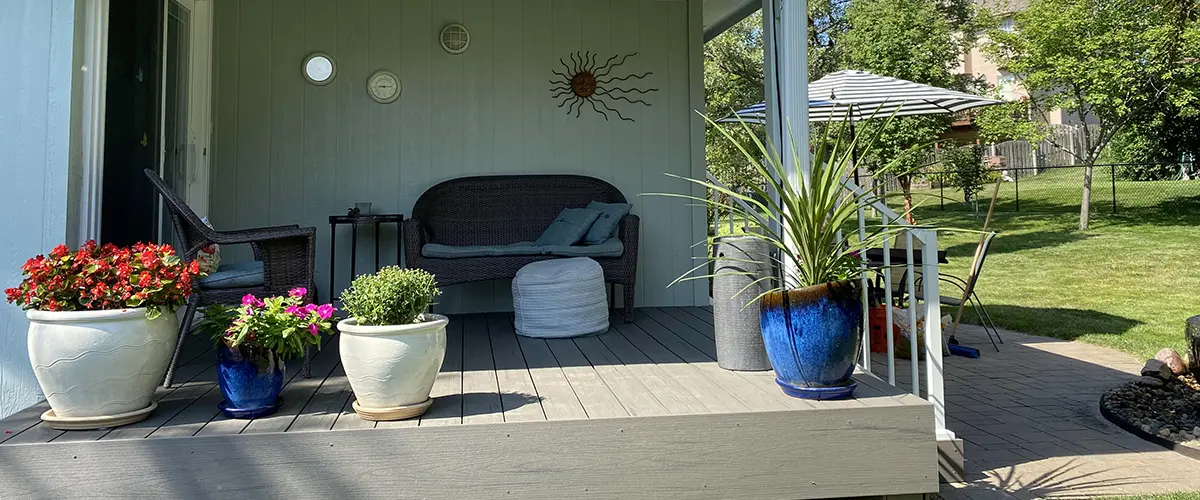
[
  {"x": 966, "y": 170},
  {"x": 393, "y": 296}
]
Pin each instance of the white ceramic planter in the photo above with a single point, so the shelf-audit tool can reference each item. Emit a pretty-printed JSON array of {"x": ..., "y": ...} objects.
[
  {"x": 100, "y": 363},
  {"x": 392, "y": 366}
]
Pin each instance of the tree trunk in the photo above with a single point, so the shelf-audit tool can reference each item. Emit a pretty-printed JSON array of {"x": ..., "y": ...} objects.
[
  {"x": 906, "y": 186},
  {"x": 1085, "y": 205}
]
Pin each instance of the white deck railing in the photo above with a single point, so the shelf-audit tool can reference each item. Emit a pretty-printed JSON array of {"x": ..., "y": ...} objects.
[{"x": 924, "y": 300}]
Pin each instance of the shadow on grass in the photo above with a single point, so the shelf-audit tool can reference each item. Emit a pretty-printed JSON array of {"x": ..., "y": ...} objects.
[
  {"x": 1017, "y": 242},
  {"x": 1056, "y": 322}
]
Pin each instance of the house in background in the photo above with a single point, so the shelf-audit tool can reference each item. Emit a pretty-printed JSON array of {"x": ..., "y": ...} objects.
[{"x": 1007, "y": 86}]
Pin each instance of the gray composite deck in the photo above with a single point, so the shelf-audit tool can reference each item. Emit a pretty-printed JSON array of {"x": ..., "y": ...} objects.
[{"x": 648, "y": 393}]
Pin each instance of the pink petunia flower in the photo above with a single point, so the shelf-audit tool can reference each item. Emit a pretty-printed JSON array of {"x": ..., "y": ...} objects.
[
  {"x": 325, "y": 311},
  {"x": 314, "y": 329},
  {"x": 295, "y": 311},
  {"x": 251, "y": 300},
  {"x": 310, "y": 308},
  {"x": 298, "y": 292}
]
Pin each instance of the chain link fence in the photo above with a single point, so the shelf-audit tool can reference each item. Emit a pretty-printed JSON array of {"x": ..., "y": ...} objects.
[{"x": 1116, "y": 189}]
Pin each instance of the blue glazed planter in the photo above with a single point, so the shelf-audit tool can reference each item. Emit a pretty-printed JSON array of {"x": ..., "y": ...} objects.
[
  {"x": 249, "y": 383},
  {"x": 811, "y": 336}
]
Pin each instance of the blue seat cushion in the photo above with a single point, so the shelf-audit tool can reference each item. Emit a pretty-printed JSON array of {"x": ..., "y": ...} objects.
[
  {"x": 237, "y": 275},
  {"x": 569, "y": 227},
  {"x": 606, "y": 225},
  {"x": 610, "y": 248},
  {"x": 439, "y": 251}
]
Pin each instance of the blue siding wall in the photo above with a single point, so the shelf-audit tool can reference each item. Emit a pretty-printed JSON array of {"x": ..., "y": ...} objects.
[{"x": 35, "y": 108}]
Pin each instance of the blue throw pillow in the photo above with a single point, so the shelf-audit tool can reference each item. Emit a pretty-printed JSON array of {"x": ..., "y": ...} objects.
[
  {"x": 606, "y": 225},
  {"x": 569, "y": 227}
]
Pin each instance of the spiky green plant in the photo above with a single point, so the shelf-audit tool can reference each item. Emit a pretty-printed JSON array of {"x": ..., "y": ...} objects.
[{"x": 811, "y": 247}]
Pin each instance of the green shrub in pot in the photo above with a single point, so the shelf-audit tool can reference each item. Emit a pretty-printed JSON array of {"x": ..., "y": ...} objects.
[{"x": 391, "y": 346}]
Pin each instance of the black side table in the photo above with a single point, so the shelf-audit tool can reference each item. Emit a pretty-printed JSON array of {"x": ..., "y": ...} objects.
[{"x": 354, "y": 221}]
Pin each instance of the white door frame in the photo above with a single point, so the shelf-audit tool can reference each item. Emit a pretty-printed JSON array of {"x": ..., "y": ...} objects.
[
  {"x": 93, "y": 76},
  {"x": 199, "y": 98}
]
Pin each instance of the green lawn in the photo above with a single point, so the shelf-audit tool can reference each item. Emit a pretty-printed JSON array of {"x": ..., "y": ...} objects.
[
  {"x": 1168, "y": 496},
  {"x": 1130, "y": 282}
]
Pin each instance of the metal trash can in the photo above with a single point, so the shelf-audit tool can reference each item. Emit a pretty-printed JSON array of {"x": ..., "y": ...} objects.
[{"x": 738, "y": 336}]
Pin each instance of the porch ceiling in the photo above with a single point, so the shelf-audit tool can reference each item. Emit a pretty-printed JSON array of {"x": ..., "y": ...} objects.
[{"x": 719, "y": 15}]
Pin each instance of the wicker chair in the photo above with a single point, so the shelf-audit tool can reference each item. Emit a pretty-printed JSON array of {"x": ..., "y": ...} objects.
[
  {"x": 288, "y": 255},
  {"x": 504, "y": 209}
]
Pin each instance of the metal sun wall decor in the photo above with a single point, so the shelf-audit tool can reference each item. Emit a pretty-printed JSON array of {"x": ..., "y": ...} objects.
[{"x": 585, "y": 82}]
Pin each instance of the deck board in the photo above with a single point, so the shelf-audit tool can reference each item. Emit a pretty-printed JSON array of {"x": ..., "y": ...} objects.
[
  {"x": 518, "y": 397},
  {"x": 661, "y": 364},
  {"x": 447, "y": 392},
  {"x": 746, "y": 392},
  {"x": 480, "y": 389},
  {"x": 680, "y": 315},
  {"x": 675, "y": 398},
  {"x": 624, "y": 384},
  {"x": 595, "y": 396},
  {"x": 554, "y": 391}
]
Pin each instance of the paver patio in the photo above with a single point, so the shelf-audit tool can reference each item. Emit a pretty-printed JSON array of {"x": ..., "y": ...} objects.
[{"x": 1030, "y": 419}]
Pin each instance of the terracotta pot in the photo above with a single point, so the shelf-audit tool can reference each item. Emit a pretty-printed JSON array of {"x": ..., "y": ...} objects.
[
  {"x": 811, "y": 336},
  {"x": 392, "y": 368},
  {"x": 100, "y": 363}
]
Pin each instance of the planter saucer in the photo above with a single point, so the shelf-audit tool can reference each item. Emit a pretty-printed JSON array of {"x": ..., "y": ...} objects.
[
  {"x": 248, "y": 413},
  {"x": 98, "y": 422},
  {"x": 394, "y": 413},
  {"x": 818, "y": 393}
]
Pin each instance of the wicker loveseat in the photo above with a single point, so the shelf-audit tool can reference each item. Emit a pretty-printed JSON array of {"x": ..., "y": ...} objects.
[{"x": 506, "y": 209}]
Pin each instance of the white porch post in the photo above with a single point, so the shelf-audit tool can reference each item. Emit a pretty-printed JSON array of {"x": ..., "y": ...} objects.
[{"x": 785, "y": 32}]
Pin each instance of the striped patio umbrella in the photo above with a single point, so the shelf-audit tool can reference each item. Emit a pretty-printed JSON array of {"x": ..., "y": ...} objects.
[{"x": 862, "y": 95}]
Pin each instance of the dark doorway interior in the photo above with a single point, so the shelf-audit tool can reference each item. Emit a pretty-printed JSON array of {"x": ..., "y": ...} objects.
[{"x": 132, "y": 109}]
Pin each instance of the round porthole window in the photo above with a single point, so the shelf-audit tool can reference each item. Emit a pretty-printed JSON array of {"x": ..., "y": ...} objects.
[
  {"x": 319, "y": 68},
  {"x": 455, "y": 38}
]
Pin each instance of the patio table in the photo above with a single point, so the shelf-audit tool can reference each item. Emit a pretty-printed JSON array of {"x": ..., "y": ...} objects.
[
  {"x": 354, "y": 221},
  {"x": 900, "y": 255}
]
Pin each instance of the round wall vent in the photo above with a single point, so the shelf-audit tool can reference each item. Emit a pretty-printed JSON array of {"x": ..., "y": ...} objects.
[{"x": 455, "y": 38}]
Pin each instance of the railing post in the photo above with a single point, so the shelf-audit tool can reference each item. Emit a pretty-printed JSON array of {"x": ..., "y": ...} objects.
[
  {"x": 934, "y": 369},
  {"x": 911, "y": 272}
]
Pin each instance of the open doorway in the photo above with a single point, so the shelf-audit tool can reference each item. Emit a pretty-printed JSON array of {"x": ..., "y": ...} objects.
[{"x": 156, "y": 114}]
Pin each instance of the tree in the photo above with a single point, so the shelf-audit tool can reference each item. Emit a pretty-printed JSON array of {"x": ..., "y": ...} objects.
[
  {"x": 1109, "y": 61},
  {"x": 966, "y": 170},
  {"x": 915, "y": 40},
  {"x": 1164, "y": 147}
]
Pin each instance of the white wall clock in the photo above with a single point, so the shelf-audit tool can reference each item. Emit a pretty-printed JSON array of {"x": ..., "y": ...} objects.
[
  {"x": 384, "y": 86},
  {"x": 319, "y": 68}
]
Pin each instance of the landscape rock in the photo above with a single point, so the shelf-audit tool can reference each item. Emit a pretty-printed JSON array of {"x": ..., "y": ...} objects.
[
  {"x": 1156, "y": 368},
  {"x": 1172, "y": 359},
  {"x": 1149, "y": 381},
  {"x": 1168, "y": 409}
]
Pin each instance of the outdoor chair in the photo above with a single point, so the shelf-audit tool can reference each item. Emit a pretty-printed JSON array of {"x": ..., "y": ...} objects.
[
  {"x": 966, "y": 287},
  {"x": 285, "y": 258}
]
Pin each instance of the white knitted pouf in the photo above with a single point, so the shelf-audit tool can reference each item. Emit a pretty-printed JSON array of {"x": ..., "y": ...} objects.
[{"x": 560, "y": 298}]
